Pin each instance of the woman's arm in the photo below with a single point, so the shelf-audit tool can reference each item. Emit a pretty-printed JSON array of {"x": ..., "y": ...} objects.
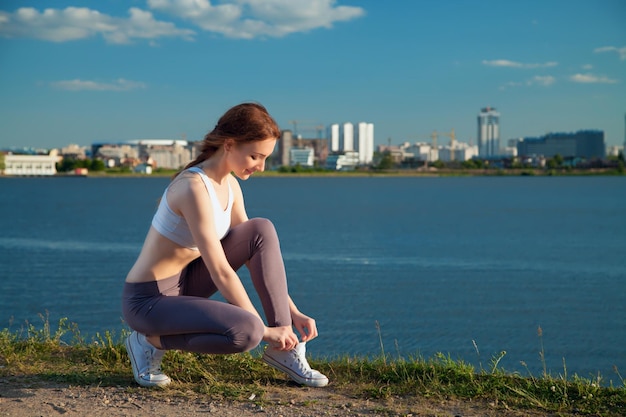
[
  {"x": 195, "y": 206},
  {"x": 190, "y": 198},
  {"x": 304, "y": 324},
  {"x": 238, "y": 214}
]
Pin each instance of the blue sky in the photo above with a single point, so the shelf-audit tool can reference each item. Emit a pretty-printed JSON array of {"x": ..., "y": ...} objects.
[{"x": 90, "y": 71}]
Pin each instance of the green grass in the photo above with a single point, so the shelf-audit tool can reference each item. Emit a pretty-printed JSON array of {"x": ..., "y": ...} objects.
[{"x": 44, "y": 353}]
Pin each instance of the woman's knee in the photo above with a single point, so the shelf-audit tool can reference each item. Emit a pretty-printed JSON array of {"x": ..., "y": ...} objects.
[
  {"x": 264, "y": 231},
  {"x": 263, "y": 226},
  {"x": 249, "y": 335}
]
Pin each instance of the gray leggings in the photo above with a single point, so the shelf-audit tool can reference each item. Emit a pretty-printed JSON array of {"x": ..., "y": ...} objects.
[{"x": 179, "y": 310}]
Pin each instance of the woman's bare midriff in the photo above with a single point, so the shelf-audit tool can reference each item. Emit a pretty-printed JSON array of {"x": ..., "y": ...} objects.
[{"x": 160, "y": 258}]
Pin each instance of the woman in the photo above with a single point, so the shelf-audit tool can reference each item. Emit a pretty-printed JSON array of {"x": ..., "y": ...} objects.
[{"x": 200, "y": 235}]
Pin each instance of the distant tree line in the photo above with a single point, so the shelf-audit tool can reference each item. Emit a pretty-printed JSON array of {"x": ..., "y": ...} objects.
[
  {"x": 385, "y": 161},
  {"x": 70, "y": 164}
]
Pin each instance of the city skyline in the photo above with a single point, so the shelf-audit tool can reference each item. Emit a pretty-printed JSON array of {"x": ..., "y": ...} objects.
[{"x": 92, "y": 71}]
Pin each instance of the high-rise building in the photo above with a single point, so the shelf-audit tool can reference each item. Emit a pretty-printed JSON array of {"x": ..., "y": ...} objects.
[
  {"x": 284, "y": 147},
  {"x": 488, "y": 132},
  {"x": 588, "y": 144},
  {"x": 333, "y": 136},
  {"x": 369, "y": 155},
  {"x": 347, "y": 137},
  {"x": 365, "y": 142}
]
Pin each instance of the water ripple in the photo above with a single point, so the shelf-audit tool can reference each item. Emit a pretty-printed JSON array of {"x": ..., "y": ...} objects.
[{"x": 30, "y": 244}]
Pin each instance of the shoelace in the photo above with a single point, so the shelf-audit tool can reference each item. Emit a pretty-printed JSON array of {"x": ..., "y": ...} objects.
[
  {"x": 154, "y": 361},
  {"x": 303, "y": 365}
]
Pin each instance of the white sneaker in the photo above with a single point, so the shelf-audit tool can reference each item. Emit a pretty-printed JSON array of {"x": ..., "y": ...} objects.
[
  {"x": 293, "y": 362},
  {"x": 146, "y": 361}
]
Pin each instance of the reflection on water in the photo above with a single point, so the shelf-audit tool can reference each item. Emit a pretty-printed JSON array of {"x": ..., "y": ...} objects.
[{"x": 29, "y": 244}]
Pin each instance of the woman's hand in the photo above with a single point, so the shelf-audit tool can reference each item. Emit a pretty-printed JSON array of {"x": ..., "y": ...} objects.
[
  {"x": 305, "y": 325},
  {"x": 281, "y": 338}
]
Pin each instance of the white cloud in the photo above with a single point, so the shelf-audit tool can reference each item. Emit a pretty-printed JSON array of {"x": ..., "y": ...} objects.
[
  {"x": 591, "y": 79},
  {"x": 587, "y": 67},
  {"x": 84, "y": 85},
  {"x": 515, "y": 64},
  {"x": 246, "y": 19},
  {"x": 243, "y": 19},
  {"x": 540, "y": 80},
  {"x": 510, "y": 84},
  {"x": 545, "y": 80},
  {"x": 620, "y": 51},
  {"x": 73, "y": 23}
]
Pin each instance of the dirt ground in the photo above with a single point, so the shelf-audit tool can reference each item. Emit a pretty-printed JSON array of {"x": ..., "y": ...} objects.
[{"x": 28, "y": 397}]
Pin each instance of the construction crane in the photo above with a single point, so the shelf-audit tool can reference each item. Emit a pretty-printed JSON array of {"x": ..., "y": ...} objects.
[
  {"x": 433, "y": 138},
  {"x": 295, "y": 126},
  {"x": 311, "y": 126},
  {"x": 320, "y": 131},
  {"x": 452, "y": 137},
  {"x": 433, "y": 147}
]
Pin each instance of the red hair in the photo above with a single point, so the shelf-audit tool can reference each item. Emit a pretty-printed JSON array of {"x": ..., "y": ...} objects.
[{"x": 246, "y": 122}]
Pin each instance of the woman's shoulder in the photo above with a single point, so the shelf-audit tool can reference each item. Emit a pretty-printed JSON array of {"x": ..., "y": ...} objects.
[{"x": 185, "y": 185}]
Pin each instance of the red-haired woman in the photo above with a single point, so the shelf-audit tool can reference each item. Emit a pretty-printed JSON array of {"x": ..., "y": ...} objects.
[{"x": 200, "y": 235}]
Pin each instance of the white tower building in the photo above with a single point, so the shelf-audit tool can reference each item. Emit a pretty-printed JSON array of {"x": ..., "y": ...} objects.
[
  {"x": 369, "y": 155},
  {"x": 624, "y": 148},
  {"x": 333, "y": 135},
  {"x": 348, "y": 137},
  {"x": 365, "y": 142},
  {"x": 488, "y": 132}
]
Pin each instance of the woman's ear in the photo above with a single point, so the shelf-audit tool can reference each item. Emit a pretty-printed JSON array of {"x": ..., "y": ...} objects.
[{"x": 229, "y": 144}]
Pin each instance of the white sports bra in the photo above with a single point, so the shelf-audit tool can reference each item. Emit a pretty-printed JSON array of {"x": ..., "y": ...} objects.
[{"x": 175, "y": 227}]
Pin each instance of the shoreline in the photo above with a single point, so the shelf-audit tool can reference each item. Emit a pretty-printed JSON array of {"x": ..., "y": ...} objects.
[{"x": 439, "y": 173}]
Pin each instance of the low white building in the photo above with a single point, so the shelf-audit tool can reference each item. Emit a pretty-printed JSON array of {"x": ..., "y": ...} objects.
[
  {"x": 173, "y": 156},
  {"x": 460, "y": 152},
  {"x": 74, "y": 151},
  {"x": 164, "y": 153},
  {"x": 301, "y": 156},
  {"x": 31, "y": 165},
  {"x": 614, "y": 150},
  {"x": 423, "y": 151},
  {"x": 143, "y": 169},
  {"x": 342, "y": 162}
]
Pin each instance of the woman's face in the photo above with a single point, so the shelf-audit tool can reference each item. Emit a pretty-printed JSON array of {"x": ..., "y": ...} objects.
[{"x": 248, "y": 158}]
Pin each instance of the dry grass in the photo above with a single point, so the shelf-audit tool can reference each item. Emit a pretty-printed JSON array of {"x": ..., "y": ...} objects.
[{"x": 63, "y": 355}]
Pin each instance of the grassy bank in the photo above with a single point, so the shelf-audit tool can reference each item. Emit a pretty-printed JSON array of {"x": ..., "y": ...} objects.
[{"x": 45, "y": 353}]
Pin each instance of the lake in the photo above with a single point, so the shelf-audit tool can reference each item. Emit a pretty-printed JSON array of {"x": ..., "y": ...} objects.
[{"x": 467, "y": 266}]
